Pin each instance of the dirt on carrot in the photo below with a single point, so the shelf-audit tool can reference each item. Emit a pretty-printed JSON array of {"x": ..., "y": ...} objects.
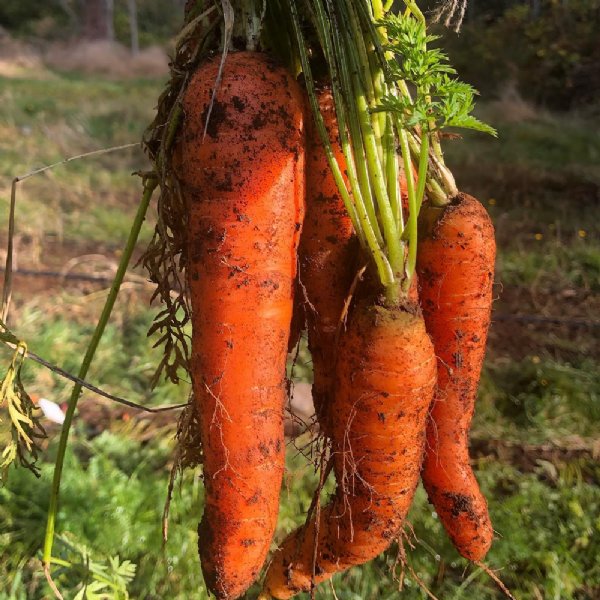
[
  {"x": 455, "y": 262},
  {"x": 385, "y": 381},
  {"x": 328, "y": 250},
  {"x": 243, "y": 184}
]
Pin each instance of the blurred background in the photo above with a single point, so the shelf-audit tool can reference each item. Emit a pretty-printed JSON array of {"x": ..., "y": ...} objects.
[{"x": 77, "y": 76}]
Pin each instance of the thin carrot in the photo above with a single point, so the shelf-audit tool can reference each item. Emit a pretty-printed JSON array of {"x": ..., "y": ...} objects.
[
  {"x": 455, "y": 262},
  {"x": 243, "y": 184},
  {"x": 327, "y": 255},
  {"x": 384, "y": 386}
]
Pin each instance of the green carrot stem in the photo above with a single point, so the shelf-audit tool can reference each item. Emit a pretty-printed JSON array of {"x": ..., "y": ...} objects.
[
  {"x": 353, "y": 148},
  {"x": 360, "y": 48},
  {"x": 149, "y": 187},
  {"x": 394, "y": 246},
  {"x": 411, "y": 226},
  {"x": 357, "y": 211},
  {"x": 445, "y": 177},
  {"x": 396, "y": 255},
  {"x": 437, "y": 147},
  {"x": 392, "y": 174},
  {"x": 380, "y": 154},
  {"x": 320, "y": 124},
  {"x": 414, "y": 205},
  {"x": 370, "y": 70},
  {"x": 248, "y": 23},
  {"x": 254, "y": 12},
  {"x": 440, "y": 181},
  {"x": 354, "y": 151},
  {"x": 378, "y": 9},
  {"x": 422, "y": 173},
  {"x": 408, "y": 172},
  {"x": 342, "y": 88},
  {"x": 411, "y": 5},
  {"x": 435, "y": 192}
]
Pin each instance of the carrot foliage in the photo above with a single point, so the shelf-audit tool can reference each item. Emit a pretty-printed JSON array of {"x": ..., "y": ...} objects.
[
  {"x": 442, "y": 100},
  {"x": 390, "y": 91}
]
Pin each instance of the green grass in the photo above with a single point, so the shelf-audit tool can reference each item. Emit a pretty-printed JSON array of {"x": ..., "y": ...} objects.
[
  {"x": 557, "y": 143},
  {"x": 114, "y": 486},
  {"x": 535, "y": 400},
  {"x": 44, "y": 121},
  {"x": 552, "y": 264},
  {"x": 78, "y": 99},
  {"x": 125, "y": 360},
  {"x": 113, "y": 494}
]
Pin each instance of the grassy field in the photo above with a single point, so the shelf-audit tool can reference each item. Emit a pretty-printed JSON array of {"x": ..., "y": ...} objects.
[{"x": 535, "y": 436}]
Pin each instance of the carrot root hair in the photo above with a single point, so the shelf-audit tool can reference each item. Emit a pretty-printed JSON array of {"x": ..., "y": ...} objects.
[{"x": 495, "y": 578}]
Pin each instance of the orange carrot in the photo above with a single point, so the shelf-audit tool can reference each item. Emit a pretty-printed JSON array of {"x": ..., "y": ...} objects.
[
  {"x": 243, "y": 183},
  {"x": 455, "y": 262},
  {"x": 385, "y": 381},
  {"x": 327, "y": 255}
]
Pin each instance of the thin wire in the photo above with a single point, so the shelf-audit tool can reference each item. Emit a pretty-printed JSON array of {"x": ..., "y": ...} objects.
[
  {"x": 7, "y": 287},
  {"x": 91, "y": 387}
]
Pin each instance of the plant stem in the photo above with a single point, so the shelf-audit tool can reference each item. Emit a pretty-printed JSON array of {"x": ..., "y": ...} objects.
[
  {"x": 396, "y": 255},
  {"x": 422, "y": 174},
  {"x": 371, "y": 144},
  {"x": 414, "y": 206},
  {"x": 411, "y": 5},
  {"x": 368, "y": 232},
  {"x": 392, "y": 173},
  {"x": 440, "y": 181},
  {"x": 370, "y": 70},
  {"x": 411, "y": 227},
  {"x": 149, "y": 186},
  {"x": 352, "y": 146},
  {"x": 248, "y": 22}
]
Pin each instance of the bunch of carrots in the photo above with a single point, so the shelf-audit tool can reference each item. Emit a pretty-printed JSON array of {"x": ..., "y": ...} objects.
[{"x": 328, "y": 200}]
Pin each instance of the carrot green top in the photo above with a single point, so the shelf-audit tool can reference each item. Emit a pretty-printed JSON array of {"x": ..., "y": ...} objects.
[{"x": 391, "y": 92}]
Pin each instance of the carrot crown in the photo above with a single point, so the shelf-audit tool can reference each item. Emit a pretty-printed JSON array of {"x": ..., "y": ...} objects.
[{"x": 392, "y": 96}]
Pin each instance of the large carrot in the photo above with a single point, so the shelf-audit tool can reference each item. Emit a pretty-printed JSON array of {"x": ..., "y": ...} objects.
[
  {"x": 327, "y": 256},
  {"x": 385, "y": 380},
  {"x": 455, "y": 262},
  {"x": 243, "y": 183}
]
